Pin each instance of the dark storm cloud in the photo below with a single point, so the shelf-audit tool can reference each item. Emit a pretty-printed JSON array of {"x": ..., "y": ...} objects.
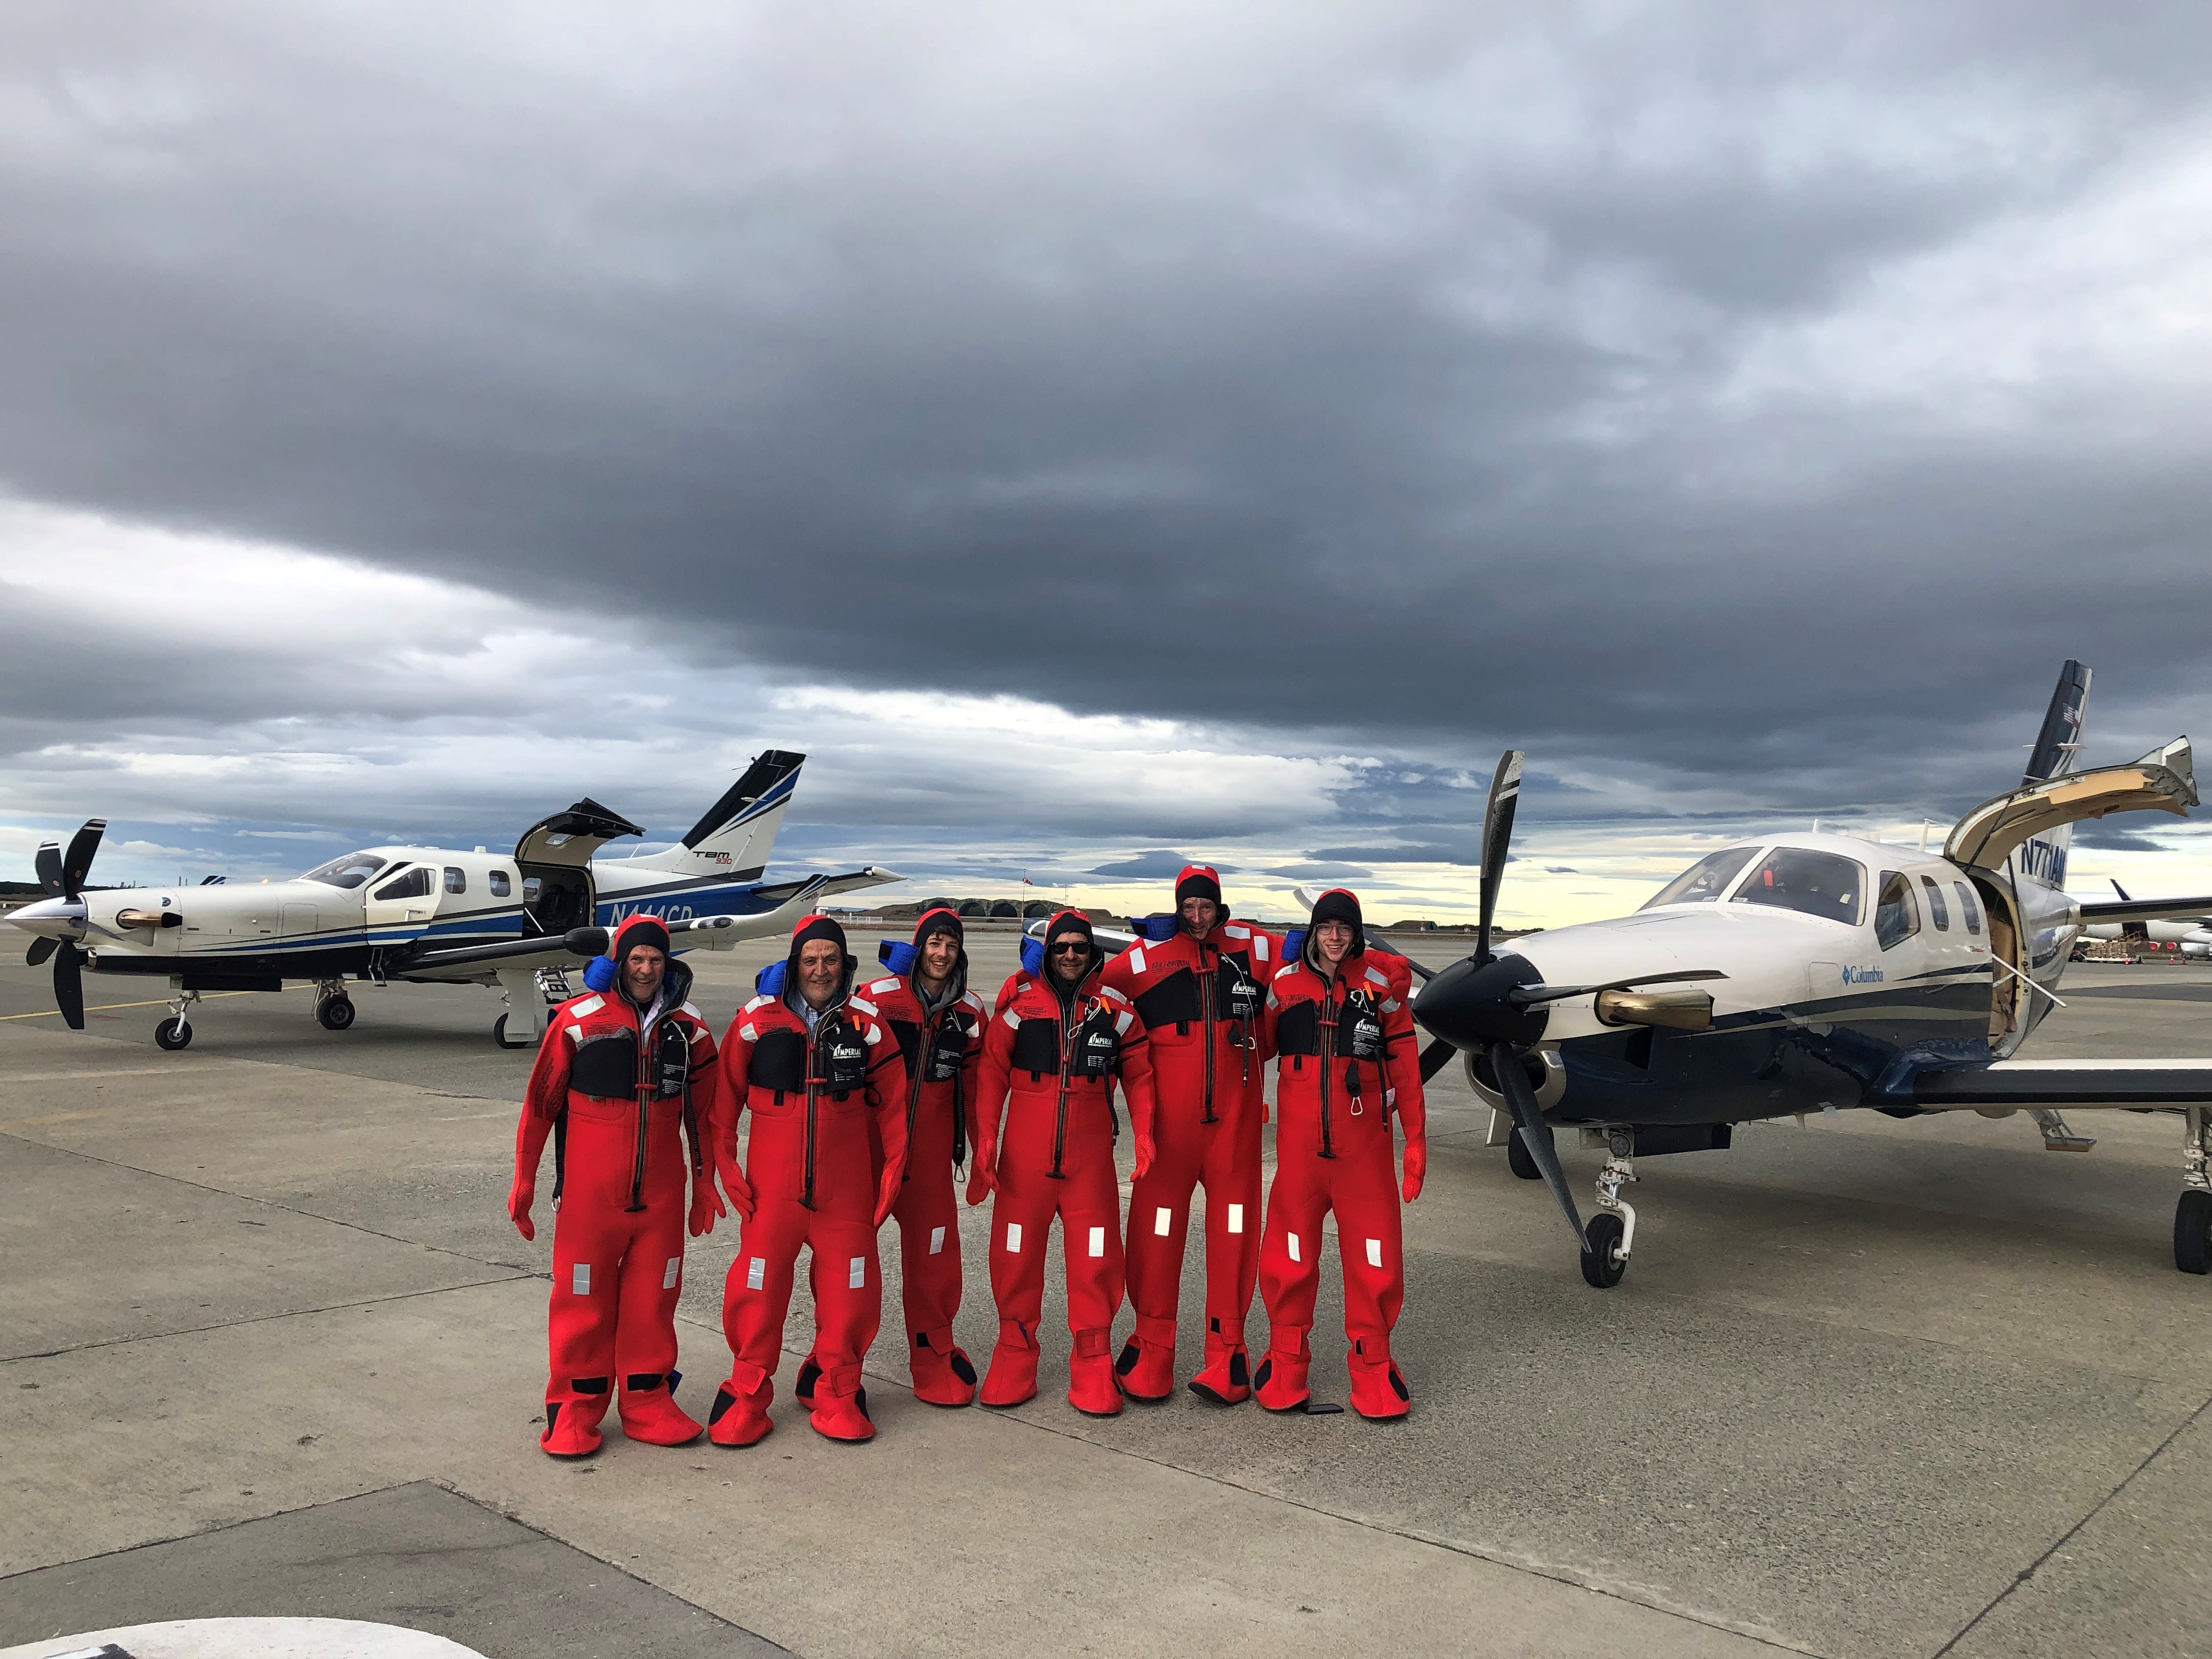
[
  {"x": 1160, "y": 866},
  {"x": 1378, "y": 371}
]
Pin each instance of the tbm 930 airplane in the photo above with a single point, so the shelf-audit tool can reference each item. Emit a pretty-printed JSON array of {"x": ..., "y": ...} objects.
[
  {"x": 1796, "y": 974},
  {"x": 426, "y": 914}
]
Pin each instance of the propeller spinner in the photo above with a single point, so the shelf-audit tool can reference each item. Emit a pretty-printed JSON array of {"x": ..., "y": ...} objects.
[{"x": 61, "y": 874}]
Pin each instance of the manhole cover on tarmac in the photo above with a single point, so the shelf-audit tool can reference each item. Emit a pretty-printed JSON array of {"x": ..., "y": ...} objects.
[{"x": 247, "y": 1639}]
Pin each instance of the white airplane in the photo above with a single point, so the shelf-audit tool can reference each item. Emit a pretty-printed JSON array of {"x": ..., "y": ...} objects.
[
  {"x": 1794, "y": 973},
  {"x": 425, "y": 914},
  {"x": 2191, "y": 935}
]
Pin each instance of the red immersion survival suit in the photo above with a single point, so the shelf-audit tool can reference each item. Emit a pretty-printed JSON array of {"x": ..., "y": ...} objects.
[
  {"x": 809, "y": 1179},
  {"x": 1349, "y": 1058},
  {"x": 616, "y": 1085},
  {"x": 1050, "y": 1060},
  {"x": 942, "y": 1046},
  {"x": 1200, "y": 1000}
]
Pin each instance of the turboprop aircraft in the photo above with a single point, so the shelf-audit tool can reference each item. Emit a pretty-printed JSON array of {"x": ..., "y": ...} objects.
[
  {"x": 425, "y": 914},
  {"x": 2191, "y": 935},
  {"x": 1792, "y": 974}
]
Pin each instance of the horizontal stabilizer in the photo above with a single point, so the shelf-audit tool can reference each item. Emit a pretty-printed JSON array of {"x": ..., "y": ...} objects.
[
  {"x": 2078, "y": 1083},
  {"x": 852, "y": 880}
]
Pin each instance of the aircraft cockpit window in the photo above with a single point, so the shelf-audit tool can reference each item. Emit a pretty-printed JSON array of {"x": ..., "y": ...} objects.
[
  {"x": 500, "y": 887},
  {"x": 1813, "y": 883},
  {"x": 1896, "y": 917},
  {"x": 349, "y": 872},
  {"x": 1937, "y": 908},
  {"x": 457, "y": 880},
  {"x": 414, "y": 883},
  {"x": 1966, "y": 906},
  {"x": 1706, "y": 880}
]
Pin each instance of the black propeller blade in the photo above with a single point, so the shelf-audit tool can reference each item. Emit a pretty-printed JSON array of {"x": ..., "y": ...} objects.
[
  {"x": 1527, "y": 995},
  {"x": 1535, "y": 1133},
  {"x": 48, "y": 863},
  {"x": 40, "y": 951},
  {"x": 1434, "y": 1058},
  {"x": 1496, "y": 838},
  {"x": 78, "y": 862},
  {"x": 69, "y": 984}
]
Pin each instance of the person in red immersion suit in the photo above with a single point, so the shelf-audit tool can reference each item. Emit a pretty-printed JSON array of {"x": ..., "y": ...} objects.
[
  {"x": 811, "y": 1068},
  {"x": 1051, "y": 1057},
  {"x": 1200, "y": 994},
  {"x": 620, "y": 1076},
  {"x": 939, "y": 1023},
  {"x": 1348, "y": 1058}
]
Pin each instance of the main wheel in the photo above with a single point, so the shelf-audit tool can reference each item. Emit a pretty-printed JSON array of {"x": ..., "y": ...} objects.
[
  {"x": 175, "y": 1033},
  {"x": 1519, "y": 1159},
  {"x": 336, "y": 1012},
  {"x": 2192, "y": 1231},
  {"x": 1601, "y": 1268},
  {"x": 499, "y": 1035}
]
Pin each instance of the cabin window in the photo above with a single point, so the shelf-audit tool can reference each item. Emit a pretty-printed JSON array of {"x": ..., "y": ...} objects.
[
  {"x": 1896, "y": 917},
  {"x": 500, "y": 886},
  {"x": 349, "y": 872},
  {"x": 1936, "y": 910},
  {"x": 457, "y": 881},
  {"x": 1966, "y": 906},
  {"x": 1706, "y": 880},
  {"x": 416, "y": 883},
  {"x": 1812, "y": 883}
]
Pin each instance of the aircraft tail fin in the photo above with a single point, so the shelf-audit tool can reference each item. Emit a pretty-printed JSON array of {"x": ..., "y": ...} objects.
[
  {"x": 2060, "y": 739},
  {"x": 735, "y": 835}
]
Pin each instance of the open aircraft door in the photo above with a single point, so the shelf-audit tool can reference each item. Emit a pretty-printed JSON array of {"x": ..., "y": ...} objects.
[
  {"x": 1985, "y": 842},
  {"x": 554, "y": 859}
]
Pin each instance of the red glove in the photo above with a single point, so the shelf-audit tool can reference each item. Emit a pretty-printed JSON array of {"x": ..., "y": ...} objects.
[
  {"x": 706, "y": 1204},
  {"x": 734, "y": 1183},
  {"x": 1417, "y": 1166},
  {"x": 887, "y": 1195},
  {"x": 982, "y": 1181},
  {"x": 1145, "y": 1151},
  {"x": 520, "y": 1197}
]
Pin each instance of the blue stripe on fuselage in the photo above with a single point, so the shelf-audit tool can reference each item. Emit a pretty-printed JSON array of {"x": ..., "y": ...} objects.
[{"x": 729, "y": 901}]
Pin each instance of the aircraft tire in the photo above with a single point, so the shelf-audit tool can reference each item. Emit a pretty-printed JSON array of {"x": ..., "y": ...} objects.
[
  {"x": 2192, "y": 1232},
  {"x": 499, "y": 1035},
  {"x": 335, "y": 1013},
  {"x": 1601, "y": 1270},
  {"x": 169, "y": 1034},
  {"x": 1518, "y": 1159}
]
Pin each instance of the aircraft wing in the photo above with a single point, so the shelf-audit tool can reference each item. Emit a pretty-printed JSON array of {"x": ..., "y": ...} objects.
[
  {"x": 2114, "y": 1084},
  {"x": 2172, "y": 909},
  {"x": 867, "y": 876}
]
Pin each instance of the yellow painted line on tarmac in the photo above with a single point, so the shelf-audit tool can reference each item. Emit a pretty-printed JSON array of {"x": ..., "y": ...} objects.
[{"x": 105, "y": 1007}]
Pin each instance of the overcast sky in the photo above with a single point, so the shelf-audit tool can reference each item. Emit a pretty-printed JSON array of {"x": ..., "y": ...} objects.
[{"x": 1097, "y": 437}]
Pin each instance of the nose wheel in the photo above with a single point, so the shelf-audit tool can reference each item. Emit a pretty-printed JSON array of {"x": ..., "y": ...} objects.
[
  {"x": 2192, "y": 1215},
  {"x": 1611, "y": 1230},
  {"x": 176, "y": 1031}
]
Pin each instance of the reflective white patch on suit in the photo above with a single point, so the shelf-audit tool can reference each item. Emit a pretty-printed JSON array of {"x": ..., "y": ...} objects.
[
  {"x": 1012, "y": 1024},
  {"x": 748, "y": 1034},
  {"x": 1136, "y": 958},
  {"x": 937, "y": 1241},
  {"x": 668, "y": 1273},
  {"x": 693, "y": 1011},
  {"x": 1238, "y": 932},
  {"x": 1163, "y": 1221},
  {"x": 580, "y": 1279},
  {"x": 1375, "y": 977},
  {"x": 1287, "y": 970},
  {"x": 1014, "y": 1237},
  {"x": 857, "y": 1275},
  {"x": 864, "y": 1007},
  {"x": 1237, "y": 1217},
  {"x": 1259, "y": 947},
  {"x": 875, "y": 1034},
  {"x": 576, "y": 1033},
  {"x": 590, "y": 1005},
  {"x": 974, "y": 1000},
  {"x": 1121, "y": 1024},
  {"x": 882, "y": 988},
  {"x": 1389, "y": 1005},
  {"x": 1098, "y": 1240},
  {"x": 755, "y": 1272},
  {"x": 1293, "y": 1239},
  {"x": 1374, "y": 1252},
  {"x": 758, "y": 1002}
]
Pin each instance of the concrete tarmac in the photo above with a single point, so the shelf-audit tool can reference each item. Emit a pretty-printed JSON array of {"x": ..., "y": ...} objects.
[{"x": 1870, "y": 1387}]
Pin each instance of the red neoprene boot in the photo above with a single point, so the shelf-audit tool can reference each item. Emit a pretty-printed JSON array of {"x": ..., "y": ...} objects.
[
  {"x": 572, "y": 1426},
  {"x": 739, "y": 1417},
  {"x": 942, "y": 1375},
  {"x": 650, "y": 1413},
  {"x": 1013, "y": 1377},
  {"x": 1147, "y": 1366},
  {"x": 1280, "y": 1384},
  {"x": 1092, "y": 1387},
  {"x": 840, "y": 1407},
  {"x": 1378, "y": 1391},
  {"x": 1226, "y": 1379}
]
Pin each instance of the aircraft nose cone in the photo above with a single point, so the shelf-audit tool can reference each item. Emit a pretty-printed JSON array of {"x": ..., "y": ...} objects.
[
  {"x": 50, "y": 918},
  {"x": 1465, "y": 1003}
]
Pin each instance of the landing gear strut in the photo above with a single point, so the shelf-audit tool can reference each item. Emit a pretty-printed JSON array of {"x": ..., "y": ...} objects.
[
  {"x": 176, "y": 1031},
  {"x": 2193, "y": 1217},
  {"x": 1611, "y": 1230},
  {"x": 334, "y": 1009}
]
